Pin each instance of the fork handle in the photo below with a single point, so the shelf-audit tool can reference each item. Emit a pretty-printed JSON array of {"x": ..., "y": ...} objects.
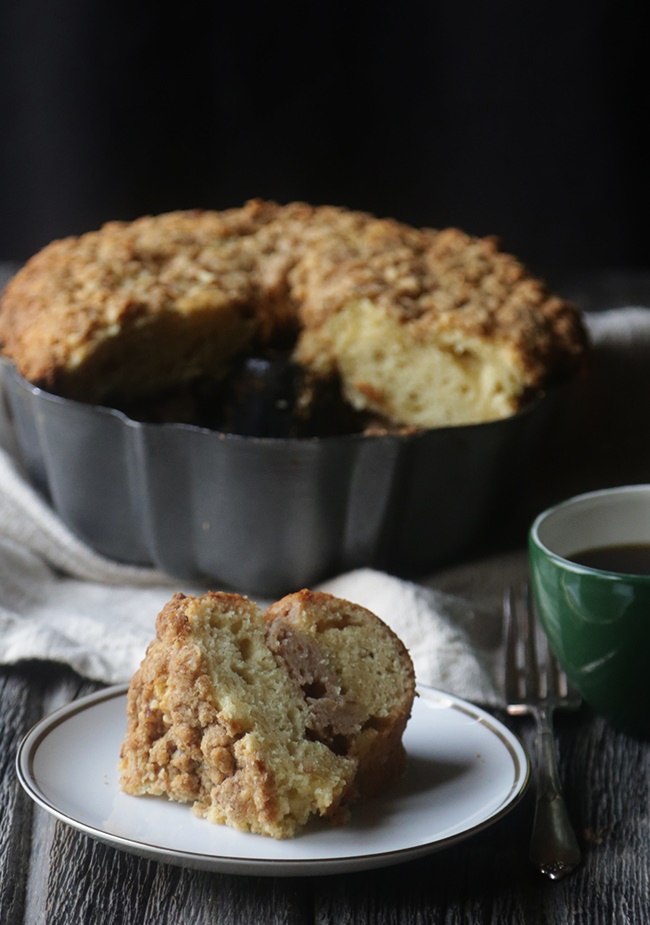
[{"x": 553, "y": 847}]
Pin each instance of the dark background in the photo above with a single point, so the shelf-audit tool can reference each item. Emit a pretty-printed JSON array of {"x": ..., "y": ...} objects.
[{"x": 518, "y": 118}]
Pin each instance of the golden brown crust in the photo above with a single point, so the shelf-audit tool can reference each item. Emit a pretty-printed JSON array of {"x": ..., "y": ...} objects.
[
  {"x": 261, "y": 721},
  {"x": 88, "y": 316}
]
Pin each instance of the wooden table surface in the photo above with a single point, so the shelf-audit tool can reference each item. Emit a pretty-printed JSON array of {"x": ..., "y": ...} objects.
[{"x": 51, "y": 873}]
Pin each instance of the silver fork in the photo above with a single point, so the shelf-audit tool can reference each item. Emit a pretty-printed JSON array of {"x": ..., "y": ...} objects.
[{"x": 535, "y": 685}]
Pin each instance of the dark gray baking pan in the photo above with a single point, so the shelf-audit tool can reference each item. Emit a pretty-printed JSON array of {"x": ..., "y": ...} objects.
[{"x": 265, "y": 515}]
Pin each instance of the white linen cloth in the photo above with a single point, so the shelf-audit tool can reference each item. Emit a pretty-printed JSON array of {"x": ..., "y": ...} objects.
[{"x": 62, "y": 602}]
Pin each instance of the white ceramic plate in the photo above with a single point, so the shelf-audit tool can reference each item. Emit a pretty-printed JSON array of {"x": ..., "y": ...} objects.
[{"x": 465, "y": 771}]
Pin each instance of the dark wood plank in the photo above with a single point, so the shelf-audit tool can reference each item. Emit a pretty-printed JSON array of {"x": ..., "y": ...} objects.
[
  {"x": 94, "y": 883},
  {"x": 19, "y": 710},
  {"x": 27, "y": 691}
]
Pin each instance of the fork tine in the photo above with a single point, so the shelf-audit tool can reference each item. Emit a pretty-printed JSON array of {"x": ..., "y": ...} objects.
[
  {"x": 556, "y": 684},
  {"x": 533, "y": 673},
  {"x": 511, "y": 639}
]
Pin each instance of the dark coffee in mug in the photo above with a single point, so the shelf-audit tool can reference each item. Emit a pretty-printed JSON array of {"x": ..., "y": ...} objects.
[{"x": 624, "y": 558}]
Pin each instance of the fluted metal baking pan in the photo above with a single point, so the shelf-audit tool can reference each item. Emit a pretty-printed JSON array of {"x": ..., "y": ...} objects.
[{"x": 264, "y": 515}]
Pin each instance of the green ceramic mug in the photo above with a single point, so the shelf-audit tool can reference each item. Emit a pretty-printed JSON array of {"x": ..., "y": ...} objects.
[{"x": 587, "y": 558}]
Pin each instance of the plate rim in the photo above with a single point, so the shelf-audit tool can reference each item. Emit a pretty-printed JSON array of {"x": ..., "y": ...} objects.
[{"x": 265, "y": 866}]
